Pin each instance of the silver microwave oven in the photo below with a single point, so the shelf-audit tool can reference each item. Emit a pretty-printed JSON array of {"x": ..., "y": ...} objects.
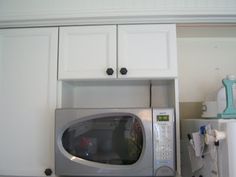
[{"x": 115, "y": 142}]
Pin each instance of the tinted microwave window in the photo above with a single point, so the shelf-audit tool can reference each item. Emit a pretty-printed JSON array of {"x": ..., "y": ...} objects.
[{"x": 115, "y": 140}]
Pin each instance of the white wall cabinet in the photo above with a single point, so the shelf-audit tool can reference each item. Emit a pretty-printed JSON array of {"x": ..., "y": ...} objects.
[
  {"x": 123, "y": 51},
  {"x": 86, "y": 52},
  {"x": 28, "y": 69},
  {"x": 147, "y": 51}
]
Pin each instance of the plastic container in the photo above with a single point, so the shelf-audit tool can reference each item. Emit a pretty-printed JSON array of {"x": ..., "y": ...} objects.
[{"x": 221, "y": 96}]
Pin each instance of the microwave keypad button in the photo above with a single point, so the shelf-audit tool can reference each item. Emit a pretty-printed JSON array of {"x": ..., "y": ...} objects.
[{"x": 164, "y": 141}]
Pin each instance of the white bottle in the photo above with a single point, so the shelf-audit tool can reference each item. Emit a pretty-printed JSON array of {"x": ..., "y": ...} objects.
[{"x": 221, "y": 96}]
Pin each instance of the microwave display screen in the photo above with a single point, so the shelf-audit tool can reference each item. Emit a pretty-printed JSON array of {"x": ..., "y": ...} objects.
[{"x": 162, "y": 118}]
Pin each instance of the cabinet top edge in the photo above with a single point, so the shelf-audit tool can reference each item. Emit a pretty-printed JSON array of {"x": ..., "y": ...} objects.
[{"x": 151, "y": 19}]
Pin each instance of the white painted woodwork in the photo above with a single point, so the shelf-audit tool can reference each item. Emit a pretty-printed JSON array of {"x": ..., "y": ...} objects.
[
  {"x": 147, "y": 51},
  {"x": 28, "y": 68},
  {"x": 177, "y": 123},
  {"x": 118, "y": 94},
  {"x": 105, "y": 94},
  {"x": 85, "y": 52},
  {"x": 69, "y": 12},
  {"x": 162, "y": 93}
]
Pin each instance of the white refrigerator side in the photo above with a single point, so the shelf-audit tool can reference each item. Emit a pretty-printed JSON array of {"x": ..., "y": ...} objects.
[{"x": 231, "y": 132}]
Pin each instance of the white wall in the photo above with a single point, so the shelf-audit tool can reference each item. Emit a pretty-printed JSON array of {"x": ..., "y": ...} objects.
[{"x": 205, "y": 54}]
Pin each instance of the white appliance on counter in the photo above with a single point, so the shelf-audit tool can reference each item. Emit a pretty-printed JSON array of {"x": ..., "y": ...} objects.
[{"x": 225, "y": 150}]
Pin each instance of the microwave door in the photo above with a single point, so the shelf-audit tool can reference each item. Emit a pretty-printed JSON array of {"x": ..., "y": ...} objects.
[{"x": 105, "y": 141}]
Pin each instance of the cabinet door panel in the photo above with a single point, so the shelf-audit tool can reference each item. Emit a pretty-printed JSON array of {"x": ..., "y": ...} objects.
[
  {"x": 147, "y": 50},
  {"x": 86, "y": 52},
  {"x": 27, "y": 100}
]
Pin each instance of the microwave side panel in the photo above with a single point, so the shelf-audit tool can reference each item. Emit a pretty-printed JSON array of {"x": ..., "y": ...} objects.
[{"x": 164, "y": 142}]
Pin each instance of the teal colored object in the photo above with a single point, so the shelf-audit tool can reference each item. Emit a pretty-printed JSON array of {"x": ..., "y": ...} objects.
[{"x": 230, "y": 110}]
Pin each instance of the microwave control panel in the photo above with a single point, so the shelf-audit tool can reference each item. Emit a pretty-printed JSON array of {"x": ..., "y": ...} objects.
[{"x": 164, "y": 142}]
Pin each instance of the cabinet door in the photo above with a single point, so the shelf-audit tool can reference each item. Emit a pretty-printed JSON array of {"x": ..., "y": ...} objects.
[
  {"x": 86, "y": 52},
  {"x": 28, "y": 71},
  {"x": 147, "y": 51}
]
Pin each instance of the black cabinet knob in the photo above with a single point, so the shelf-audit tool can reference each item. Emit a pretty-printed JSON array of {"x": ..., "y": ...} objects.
[
  {"x": 123, "y": 71},
  {"x": 109, "y": 71},
  {"x": 48, "y": 172}
]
